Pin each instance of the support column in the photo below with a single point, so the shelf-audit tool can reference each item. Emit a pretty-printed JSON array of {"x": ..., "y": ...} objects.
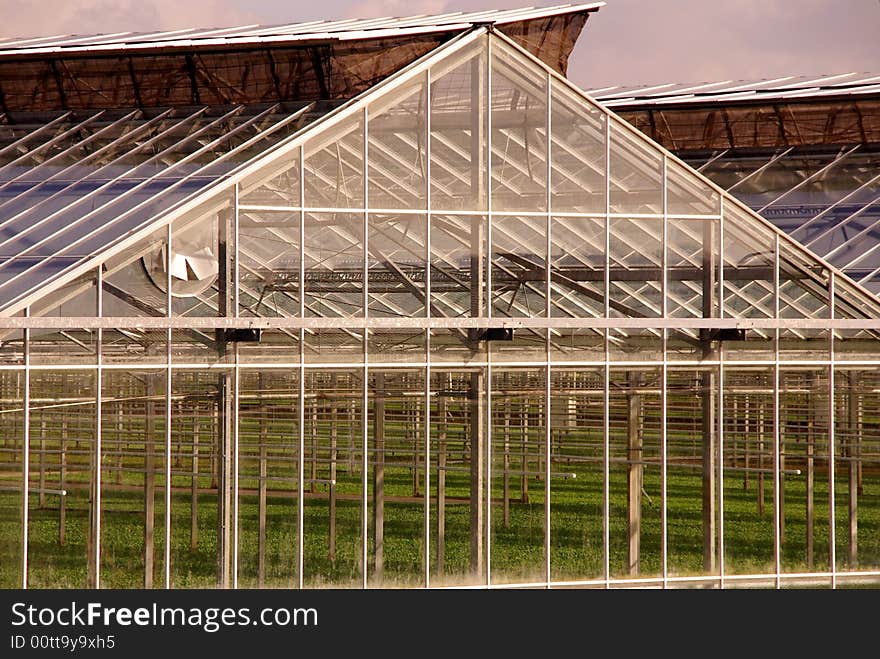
[
  {"x": 852, "y": 455},
  {"x": 149, "y": 480},
  {"x": 441, "y": 475},
  {"x": 194, "y": 486},
  {"x": 708, "y": 398},
  {"x": 261, "y": 496},
  {"x": 334, "y": 429},
  {"x": 476, "y": 405},
  {"x": 224, "y": 481},
  {"x": 634, "y": 473},
  {"x": 379, "y": 476},
  {"x": 813, "y": 390}
]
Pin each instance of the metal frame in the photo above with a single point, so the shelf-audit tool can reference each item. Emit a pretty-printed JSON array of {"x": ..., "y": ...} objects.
[{"x": 548, "y": 355}]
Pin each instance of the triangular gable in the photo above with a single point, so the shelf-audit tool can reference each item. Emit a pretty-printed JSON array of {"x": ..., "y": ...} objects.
[{"x": 487, "y": 151}]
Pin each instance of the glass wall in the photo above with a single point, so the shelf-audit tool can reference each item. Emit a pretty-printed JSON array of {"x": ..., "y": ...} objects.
[{"x": 472, "y": 329}]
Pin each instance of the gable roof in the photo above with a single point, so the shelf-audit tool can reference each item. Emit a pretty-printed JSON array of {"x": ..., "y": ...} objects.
[
  {"x": 341, "y": 30},
  {"x": 81, "y": 244}
]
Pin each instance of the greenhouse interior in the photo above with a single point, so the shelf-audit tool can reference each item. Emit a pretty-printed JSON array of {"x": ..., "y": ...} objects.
[{"x": 394, "y": 304}]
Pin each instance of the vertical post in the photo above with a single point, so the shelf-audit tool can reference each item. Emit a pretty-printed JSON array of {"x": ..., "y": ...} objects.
[
  {"x": 852, "y": 468},
  {"x": 226, "y": 391},
  {"x": 748, "y": 423},
  {"x": 149, "y": 479},
  {"x": 760, "y": 488},
  {"x": 634, "y": 473},
  {"x": 194, "y": 485},
  {"x": 95, "y": 567},
  {"x": 524, "y": 460},
  {"x": 476, "y": 415},
  {"x": 62, "y": 476},
  {"x": 25, "y": 460},
  {"x": 224, "y": 484},
  {"x": 120, "y": 445},
  {"x": 832, "y": 442},
  {"x": 777, "y": 469},
  {"x": 412, "y": 414},
  {"x": 261, "y": 492},
  {"x": 334, "y": 429},
  {"x": 707, "y": 397},
  {"x": 506, "y": 464},
  {"x": 442, "y": 404},
  {"x": 812, "y": 397},
  {"x": 379, "y": 475},
  {"x": 42, "y": 481}
]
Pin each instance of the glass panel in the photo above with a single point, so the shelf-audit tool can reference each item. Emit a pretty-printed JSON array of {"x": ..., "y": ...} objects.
[
  {"x": 279, "y": 346},
  {"x": 748, "y": 252},
  {"x": 635, "y": 486},
  {"x": 687, "y": 193},
  {"x": 282, "y": 189},
  {"x": 402, "y": 346},
  {"x": 268, "y": 464},
  {"x": 132, "y": 440},
  {"x": 691, "y": 468},
  {"x": 519, "y": 266},
  {"x": 63, "y": 408},
  {"x": 334, "y": 264},
  {"x": 576, "y": 503},
  {"x": 803, "y": 438},
  {"x": 333, "y": 511},
  {"x": 456, "y": 345},
  {"x": 127, "y": 288},
  {"x": 397, "y": 159},
  {"x": 79, "y": 346},
  {"x": 803, "y": 284},
  {"x": 636, "y": 173},
  {"x": 577, "y": 260},
  {"x": 76, "y": 298},
  {"x": 334, "y": 166},
  {"x": 11, "y": 498},
  {"x": 324, "y": 346},
  {"x": 575, "y": 345},
  {"x": 692, "y": 248},
  {"x": 199, "y": 244},
  {"x": 269, "y": 263},
  {"x": 635, "y": 259},
  {"x": 577, "y": 153},
  {"x": 855, "y": 439},
  {"x": 456, "y": 421},
  {"x": 748, "y": 470},
  {"x": 458, "y": 266},
  {"x": 519, "y": 132},
  {"x": 396, "y": 463},
  {"x": 519, "y": 456},
  {"x": 397, "y": 245},
  {"x": 458, "y": 131}
]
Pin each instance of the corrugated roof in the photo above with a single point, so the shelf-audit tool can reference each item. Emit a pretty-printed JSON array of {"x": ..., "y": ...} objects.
[
  {"x": 348, "y": 29},
  {"x": 786, "y": 87}
]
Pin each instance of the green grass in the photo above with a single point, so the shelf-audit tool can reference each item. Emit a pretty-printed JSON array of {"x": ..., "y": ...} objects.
[{"x": 516, "y": 549}]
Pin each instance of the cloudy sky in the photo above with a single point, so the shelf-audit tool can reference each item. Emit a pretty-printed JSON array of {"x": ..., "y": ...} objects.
[{"x": 627, "y": 42}]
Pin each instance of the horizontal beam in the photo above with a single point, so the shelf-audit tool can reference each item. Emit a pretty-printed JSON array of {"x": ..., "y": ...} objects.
[{"x": 188, "y": 322}]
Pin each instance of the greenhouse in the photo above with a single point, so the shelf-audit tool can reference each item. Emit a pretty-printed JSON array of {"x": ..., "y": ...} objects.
[{"x": 460, "y": 326}]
